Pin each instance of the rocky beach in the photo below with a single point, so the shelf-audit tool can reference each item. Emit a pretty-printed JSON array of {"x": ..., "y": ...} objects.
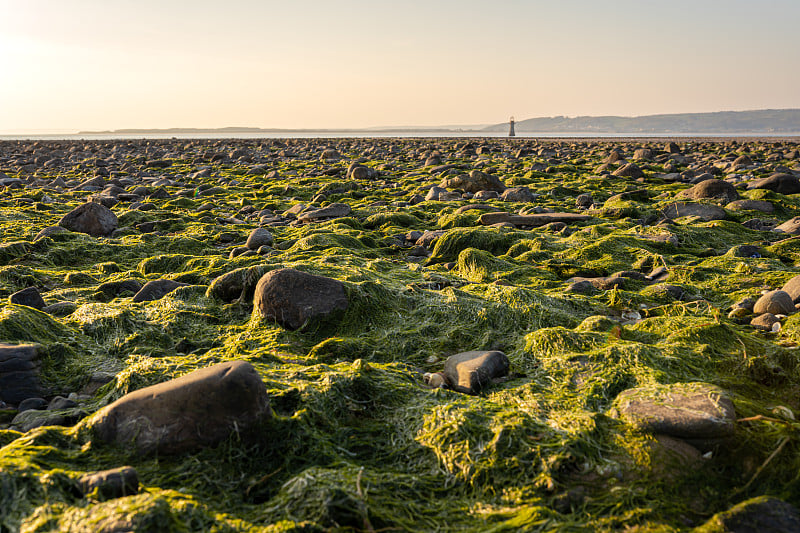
[{"x": 363, "y": 334}]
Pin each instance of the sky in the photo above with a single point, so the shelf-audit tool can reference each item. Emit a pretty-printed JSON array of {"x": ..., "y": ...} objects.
[{"x": 76, "y": 65}]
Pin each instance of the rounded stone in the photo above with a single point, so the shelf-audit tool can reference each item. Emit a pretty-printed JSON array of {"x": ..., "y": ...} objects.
[
  {"x": 775, "y": 302},
  {"x": 292, "y": 298}
]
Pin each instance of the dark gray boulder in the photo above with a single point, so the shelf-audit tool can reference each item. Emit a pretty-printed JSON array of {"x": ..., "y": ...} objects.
[
  {"x": 109, "y": 484},
  {"x": 778, "y": 182},
  {"x": 91, "y": 218},
  {"x": 629, "y": 170},
  {"x": 474, "y": 182},
  {"x": 711, "y": 188},
  {"x": 30, "y": 297},
  {"x": 19, "y": 372},
  {"x": 182, "y": 415},
  {"x": 259, "y": 237},
  {"x": 156, "y": 289},
  {"x": 470, "y": 372},
  {"x": 292, "y": 298},
  {"x": 763, "y": 514}
]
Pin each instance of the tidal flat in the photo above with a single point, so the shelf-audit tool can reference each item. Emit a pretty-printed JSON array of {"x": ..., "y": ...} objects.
[{"x": 295, "y": 304}]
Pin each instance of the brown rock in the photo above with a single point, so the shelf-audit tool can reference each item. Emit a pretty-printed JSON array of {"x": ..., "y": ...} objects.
[
  {"x": 91, "y": 218},
  {"x": 775, "y": 302},
  {"x": 470, "y": 372},
  {"x": 292, "y": 298},
  {"x": 182, "y": 415}
]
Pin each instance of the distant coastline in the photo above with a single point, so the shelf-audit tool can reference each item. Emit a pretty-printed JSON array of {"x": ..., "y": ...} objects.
[{"x": 768, "y": 122}]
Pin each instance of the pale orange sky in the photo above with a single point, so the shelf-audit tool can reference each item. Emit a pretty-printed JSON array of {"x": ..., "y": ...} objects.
[{"x": 91, "y": 64}]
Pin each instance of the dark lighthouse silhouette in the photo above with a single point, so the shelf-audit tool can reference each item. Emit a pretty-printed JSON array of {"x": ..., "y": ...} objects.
[{"x": 511, "y": 128}]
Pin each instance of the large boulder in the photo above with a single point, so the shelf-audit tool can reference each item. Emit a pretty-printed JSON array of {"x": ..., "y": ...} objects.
[
  {"x": 29, "y": 296},
  {"x": 778, "y": 182},
  {"x": 793, "y": 288},
  {"x": 474, "y": 182},
  {"x": 91, "y": 218},
  {"x": 199, "y": 409},
  {"x": 629, "y": 170},
  {"x": 19, "y": 372},
  {"x": 156, "y": 289},
  {"x": 292, "y": 298},
  {"x": 470, "y": 372},
  {"x": 712, "y": 188}
]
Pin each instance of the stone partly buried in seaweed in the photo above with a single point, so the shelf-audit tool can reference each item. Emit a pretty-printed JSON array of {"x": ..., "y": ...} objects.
[
  {"x": 763, "y": 514},
  {"x": 699, "y": 413},
  {"x": 199, "y": 409},
  {"x": 470, "y": 372},
  {"x": 92, "y": 218},
  {"x": 292, "y": 298}
]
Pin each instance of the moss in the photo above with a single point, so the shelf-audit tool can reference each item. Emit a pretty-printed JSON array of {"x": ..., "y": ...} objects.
[{"x": 452, "y": 243}]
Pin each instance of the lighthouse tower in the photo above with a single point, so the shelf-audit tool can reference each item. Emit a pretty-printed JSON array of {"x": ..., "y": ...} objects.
[{"x": 511, "y": 128}]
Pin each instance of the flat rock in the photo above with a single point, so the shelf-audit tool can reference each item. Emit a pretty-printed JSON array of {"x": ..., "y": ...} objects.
[
  {"x": 683, "y": 410},
  {"x": 763, "y": 514},
  {"x": 336, "y": 210},
  {"x": 791, "y": 226},
  {"x": 199, "y": 409},
  {"x": 470, "y": 372},
  {"x": 703, "y": 211},
  {"x": 775, "y": 302},
  {"x": 91, "y": 218},
  {"x": 292, "y": 298},
  {"x": 536, "y": 219}
]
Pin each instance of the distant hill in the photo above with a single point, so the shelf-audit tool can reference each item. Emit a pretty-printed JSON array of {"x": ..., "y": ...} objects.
[{"x": 761, "y": 121}]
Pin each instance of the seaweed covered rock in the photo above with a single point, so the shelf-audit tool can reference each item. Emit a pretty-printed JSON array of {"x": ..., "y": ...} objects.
[
  {"x": 91, "y": 218},
  {"x": 109, "y": 484},
  {"x": 336, "y": 210},
  {"x": 683, "y": 410},
  {"x": 473, "y": 182},
  {"x": 199, "y": 409},
  {"x": 19, "y": 372},
  {"x": 470, "y": 372},
  {"x": 292, "y": 298},
  {"x": 763, "y": 514}
]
